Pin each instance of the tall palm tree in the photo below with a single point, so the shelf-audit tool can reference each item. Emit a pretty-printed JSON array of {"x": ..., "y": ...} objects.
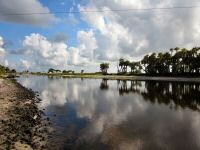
[
  {"x": 121, "y": 64},
  {"x": 104, "y": 67}
]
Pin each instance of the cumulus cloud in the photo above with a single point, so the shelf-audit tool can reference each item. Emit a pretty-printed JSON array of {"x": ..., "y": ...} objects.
[
  {"x": 87, "y": 44},
  {"x": 134, "y": 33},
  {"x": 2, "y": 50},
  {"x": 25, "y": 64},
  {"x": 85, "y": 52},
  {"x": 45, "y": 52},
  {"x": 110, "y": 35},
  {"x": 25, "y": 7}
]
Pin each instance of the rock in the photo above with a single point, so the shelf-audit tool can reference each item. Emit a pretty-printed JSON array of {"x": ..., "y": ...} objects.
[{"x": 35, "y": 117}]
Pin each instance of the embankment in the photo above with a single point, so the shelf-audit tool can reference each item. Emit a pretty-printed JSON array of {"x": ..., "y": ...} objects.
[{"x": 21, "y": 123}]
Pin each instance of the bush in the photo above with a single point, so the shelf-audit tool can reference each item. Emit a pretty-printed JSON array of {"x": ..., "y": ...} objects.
[{"x": 2, "y": 70}]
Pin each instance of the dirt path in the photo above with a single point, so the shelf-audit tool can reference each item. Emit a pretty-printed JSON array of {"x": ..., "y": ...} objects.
[{"x": 21, "y": 123}]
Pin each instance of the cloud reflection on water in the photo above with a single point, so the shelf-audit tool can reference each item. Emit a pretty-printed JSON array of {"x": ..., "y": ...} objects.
[{"x": 123, "y": 115}]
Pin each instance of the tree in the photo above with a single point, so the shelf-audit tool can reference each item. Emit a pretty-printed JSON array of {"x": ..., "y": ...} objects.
[
  {"x": 64, "y": 71},
  {"x": 121, "y": 65},
  {"x": 104, "y": 67},
  {"x": 13, "y": 71},
  {"x": 145, "y": 63},
  {"x": 51, "y": 70},
  {"x": 2, "y": 70},
  {"x": 135, "y": 67},
  {"x": 152, "y": 64},
  {"x": 176, "y": 61},
  {"x": 126, "y": 64}
]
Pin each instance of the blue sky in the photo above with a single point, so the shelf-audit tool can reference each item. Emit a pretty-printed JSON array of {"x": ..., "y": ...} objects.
[
  {"x": 16, "y": 32},
  {"x": 83, "y": 40}
]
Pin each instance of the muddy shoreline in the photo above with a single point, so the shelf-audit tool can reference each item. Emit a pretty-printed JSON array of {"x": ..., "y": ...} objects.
[{"x": 22, "y": 124}]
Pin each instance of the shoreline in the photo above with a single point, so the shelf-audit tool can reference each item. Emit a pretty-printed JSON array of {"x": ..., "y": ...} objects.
[
  {"x": 121, "y": 77},
  {"x": 22, "y": 125}
]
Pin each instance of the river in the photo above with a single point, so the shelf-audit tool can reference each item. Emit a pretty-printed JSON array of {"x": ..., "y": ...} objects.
[{"x": 90, "y": 114}]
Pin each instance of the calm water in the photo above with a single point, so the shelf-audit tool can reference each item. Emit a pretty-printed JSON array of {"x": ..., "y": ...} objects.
[{"x": 94, "y": 114}]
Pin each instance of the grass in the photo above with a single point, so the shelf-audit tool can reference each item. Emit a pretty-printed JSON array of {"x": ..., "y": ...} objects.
[
  {"x": 185, "y": 75},
  {"x": 68, "y": 74},
  {"x": 2, "y": 74},
  {"x": 114, "y": 76}
]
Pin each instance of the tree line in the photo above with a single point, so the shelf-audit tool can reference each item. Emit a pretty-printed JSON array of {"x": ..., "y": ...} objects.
[
  {"x": 5, "y": 70},
  {"x": 176, "y": 61},
  {"x": 51, "y": 70}
]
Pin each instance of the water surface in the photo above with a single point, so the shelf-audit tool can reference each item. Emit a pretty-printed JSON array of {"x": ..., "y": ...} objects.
[{"x": 90, "y": 114}]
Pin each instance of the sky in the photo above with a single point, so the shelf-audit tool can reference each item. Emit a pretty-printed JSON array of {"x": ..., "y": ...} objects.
[{"x": 82, "y": 40}]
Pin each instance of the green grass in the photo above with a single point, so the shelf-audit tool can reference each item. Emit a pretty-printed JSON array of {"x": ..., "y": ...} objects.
[
  {"x": 2, "y": 72},
  {"x": 68, "y": 74}
]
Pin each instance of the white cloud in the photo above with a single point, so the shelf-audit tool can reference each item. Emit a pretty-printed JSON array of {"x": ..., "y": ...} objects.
[
  {"x": 132, "y": 34},
  {"x": 85, "y": 52},
  {"x": 25, "y": 7},
  {"x": 6, "y": 63},
  {"x": 112, "y": 35},
  {"x": 45, "y": 52},
  {"x": 87, "y": 44},
  {"x": 2, "y": 50},
  {"x": 25, "y": 64}
]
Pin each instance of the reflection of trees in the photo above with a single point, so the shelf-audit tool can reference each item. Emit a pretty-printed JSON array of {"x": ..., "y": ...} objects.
[
  {"x": 104, "y": 84},
  {"x": 185, "y": 95},
  {"x": 53, "y": 77},
  {"x": 125, "y": 88}
]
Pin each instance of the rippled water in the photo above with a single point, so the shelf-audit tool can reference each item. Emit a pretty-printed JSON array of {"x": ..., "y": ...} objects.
[{"x": 92, "y": 114}]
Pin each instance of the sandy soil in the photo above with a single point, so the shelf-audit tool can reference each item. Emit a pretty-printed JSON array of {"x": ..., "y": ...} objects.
[{"x": 22, "y": 126}]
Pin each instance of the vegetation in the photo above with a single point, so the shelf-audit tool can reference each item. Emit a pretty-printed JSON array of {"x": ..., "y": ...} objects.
[
  {"x": 104, "y": 67},
  {"x": 51, "y": 70},
  {"x": 68, "y": 72},
  {"x": 6, "y": 70},
  {"x": 176, "y": 62},
  {"x": 2, "y": 70}
]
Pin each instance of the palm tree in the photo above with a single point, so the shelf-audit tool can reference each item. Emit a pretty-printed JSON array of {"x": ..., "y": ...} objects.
[
  {"x": 152, "y": 69},
  {"x": 171, "y": 51},
  {"x": 104, "y": 67},
  {"x": 126, "y": 64},
  {"x": 135, "y": 67},
  {"x": 167, "y": 62},
  {"x": 132, "y": 66},
  {"x": 121, "y": 65},
  {"x": 145, "y": 63}
]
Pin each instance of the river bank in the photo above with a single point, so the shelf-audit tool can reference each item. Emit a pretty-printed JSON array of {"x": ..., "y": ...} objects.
[
  {"x": 139, "y": 78},
  {"x": 125, "y": 77},
  {"x": 21, "y": 123}
]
